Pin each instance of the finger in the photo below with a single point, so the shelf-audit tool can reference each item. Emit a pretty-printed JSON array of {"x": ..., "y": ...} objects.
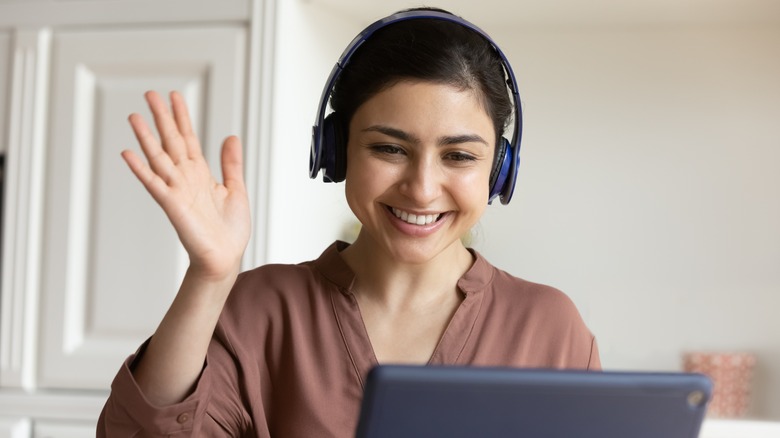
[
  {"x": 159, "y": 161},
  {"x": 170, "y": 137},
  {"x": 151, "y": 181},
  {"x": 181, "y": 115},
  {"x": 232, "y": 164}
]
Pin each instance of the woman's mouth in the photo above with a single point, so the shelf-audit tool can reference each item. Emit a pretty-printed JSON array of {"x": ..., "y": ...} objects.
[{"x": 415, "y": 219}]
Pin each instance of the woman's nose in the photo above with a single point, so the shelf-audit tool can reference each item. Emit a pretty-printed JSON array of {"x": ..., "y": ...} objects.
[{"x": 422, "y": 181}]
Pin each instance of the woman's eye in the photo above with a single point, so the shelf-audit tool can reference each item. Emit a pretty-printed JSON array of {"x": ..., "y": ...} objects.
[
  {"x": 460, "y": 156},
  {"x": 387, "y": 149}
]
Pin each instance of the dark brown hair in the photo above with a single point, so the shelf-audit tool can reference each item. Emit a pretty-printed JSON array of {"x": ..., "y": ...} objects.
[{"x": 424, "y": 49}]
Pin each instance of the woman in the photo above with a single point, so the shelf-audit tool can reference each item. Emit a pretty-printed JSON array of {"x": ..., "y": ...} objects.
[{"x": 282, "y": 350}]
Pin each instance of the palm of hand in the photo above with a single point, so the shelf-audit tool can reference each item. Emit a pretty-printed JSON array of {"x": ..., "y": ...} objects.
[{"x": 210, "y": 218}]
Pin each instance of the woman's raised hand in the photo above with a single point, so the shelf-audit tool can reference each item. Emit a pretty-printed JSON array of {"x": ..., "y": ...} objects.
[{"x": 211, "y": 218}]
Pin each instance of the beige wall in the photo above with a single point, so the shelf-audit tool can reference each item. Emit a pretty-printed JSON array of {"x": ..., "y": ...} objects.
[{"x": 649, "y": 188}]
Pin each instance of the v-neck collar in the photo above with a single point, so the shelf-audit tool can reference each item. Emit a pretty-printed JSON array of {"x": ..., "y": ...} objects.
[{"x": 350, "y": 321}]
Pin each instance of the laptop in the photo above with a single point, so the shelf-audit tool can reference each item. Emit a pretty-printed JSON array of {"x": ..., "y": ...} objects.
[{"x": 446, "y": 401}]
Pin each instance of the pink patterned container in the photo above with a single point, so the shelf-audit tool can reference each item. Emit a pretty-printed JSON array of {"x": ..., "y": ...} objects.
[{"x": 731, "y": 375}]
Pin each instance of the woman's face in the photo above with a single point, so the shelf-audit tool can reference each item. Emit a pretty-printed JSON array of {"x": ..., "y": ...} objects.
[{"x": 418, "y": 164}]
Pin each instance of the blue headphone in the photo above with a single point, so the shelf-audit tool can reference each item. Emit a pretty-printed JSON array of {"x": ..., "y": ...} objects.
[{"x": 328, "y": 146}]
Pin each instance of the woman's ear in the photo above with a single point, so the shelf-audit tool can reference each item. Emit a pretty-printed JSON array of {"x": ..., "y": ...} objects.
[{"x": 334, "y": 148}]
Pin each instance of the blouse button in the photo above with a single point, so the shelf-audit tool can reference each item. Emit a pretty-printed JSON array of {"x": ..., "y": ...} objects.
[{"x": 183, "y": 418}]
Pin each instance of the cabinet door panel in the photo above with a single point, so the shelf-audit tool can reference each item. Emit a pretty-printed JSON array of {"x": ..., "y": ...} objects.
[
  {"x": 5, "y": 83},
  {"x": 112, "y": 261},
  {"x": 14, "y": 427},
  {"x": 63, "y": 429}
]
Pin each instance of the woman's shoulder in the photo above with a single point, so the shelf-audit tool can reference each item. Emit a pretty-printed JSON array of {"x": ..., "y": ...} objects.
[
  {"x": 290, "y": 280},
  {"x": 268, "y": 290},
  {"x": 505, "y": 286},
  {"x": 275, "y": 274},
  {"x": 537, "y": 319},
  {"x": 516, "y": 288},
  {"x": 273, "y": 304},
  {"x": 508, "y": 290},
  {"x": 537, "y": 308}
]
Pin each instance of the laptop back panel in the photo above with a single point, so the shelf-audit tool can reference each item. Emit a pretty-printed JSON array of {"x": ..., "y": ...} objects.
[{"x": 414, "y": 401}]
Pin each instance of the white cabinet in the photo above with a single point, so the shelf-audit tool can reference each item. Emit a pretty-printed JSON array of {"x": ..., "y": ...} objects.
[
  {"x": 14, "y": 427},
  {"x": 62, "y": 429},
  {"x": 5, "y": 74},
  {"x": 112, "y": 262},
  {"x": 87, "y": 252},
  {"x": 89, "y": 262},
  {"x": 22, "y": 203}
]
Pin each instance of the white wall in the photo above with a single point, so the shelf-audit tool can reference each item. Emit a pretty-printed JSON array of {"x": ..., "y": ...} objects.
[
  {"x": 306, "y": 215},
  {"x": 649, "y": 188}
]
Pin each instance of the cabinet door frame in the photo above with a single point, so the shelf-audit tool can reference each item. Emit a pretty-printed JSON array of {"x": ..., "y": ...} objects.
[
  {"x": 106, "y": 240},
  {"x": 22, "y": 212},
  {"x": 30, "y": 27}
]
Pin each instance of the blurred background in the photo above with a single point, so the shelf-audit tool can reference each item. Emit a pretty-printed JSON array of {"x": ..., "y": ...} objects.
[{"x": 649, "y": 184}]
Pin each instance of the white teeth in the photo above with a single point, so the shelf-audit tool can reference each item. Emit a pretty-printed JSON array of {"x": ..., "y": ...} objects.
[{"x": 423, "y": 219}]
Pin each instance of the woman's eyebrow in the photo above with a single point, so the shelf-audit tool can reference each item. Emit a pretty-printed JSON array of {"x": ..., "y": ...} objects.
[
  {"x": 393, "y": 132},
  {"x": 411, "y": 138},
  {"x": 464, "y": 138}
]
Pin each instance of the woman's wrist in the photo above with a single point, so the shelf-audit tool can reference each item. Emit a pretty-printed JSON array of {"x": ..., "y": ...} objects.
[{"x": 214, "y": 273}]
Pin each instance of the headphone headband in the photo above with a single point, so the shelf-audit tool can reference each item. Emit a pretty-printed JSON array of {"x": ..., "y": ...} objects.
[{"x": 316, "y": 159}]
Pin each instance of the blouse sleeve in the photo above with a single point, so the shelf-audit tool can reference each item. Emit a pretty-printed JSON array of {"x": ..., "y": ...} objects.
[
  {"x": 212, "y": 409},
  {"x": 127, "y": 412}
]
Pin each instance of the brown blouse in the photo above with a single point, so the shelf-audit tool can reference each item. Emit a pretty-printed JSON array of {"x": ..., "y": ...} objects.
[{"x": 290, "y": 352}]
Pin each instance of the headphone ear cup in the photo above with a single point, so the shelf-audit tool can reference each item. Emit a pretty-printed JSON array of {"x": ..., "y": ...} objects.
[
  {"x": 501, "y": 164},
  {"x": 334, "y": 149}
]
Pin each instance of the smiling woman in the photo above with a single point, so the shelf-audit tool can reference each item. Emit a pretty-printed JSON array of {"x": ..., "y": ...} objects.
[
  {"x": 419, "y": 110},
  {"x": 418, "y": 165}
]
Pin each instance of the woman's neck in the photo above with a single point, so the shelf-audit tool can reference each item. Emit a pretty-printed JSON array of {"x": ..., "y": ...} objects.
[{"x": 381, "y": 278}]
